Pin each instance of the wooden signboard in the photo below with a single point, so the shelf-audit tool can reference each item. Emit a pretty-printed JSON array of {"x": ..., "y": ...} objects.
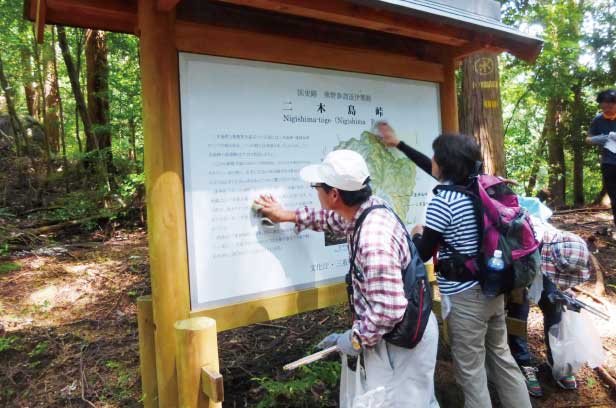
[{"x": 359, "y": 49}]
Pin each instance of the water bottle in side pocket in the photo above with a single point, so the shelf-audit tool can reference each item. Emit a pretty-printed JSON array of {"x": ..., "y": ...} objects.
[{"x": 493, "y": 276}]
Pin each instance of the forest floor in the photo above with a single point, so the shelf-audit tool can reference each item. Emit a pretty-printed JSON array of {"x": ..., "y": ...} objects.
[{"x": 68, "y": 332}]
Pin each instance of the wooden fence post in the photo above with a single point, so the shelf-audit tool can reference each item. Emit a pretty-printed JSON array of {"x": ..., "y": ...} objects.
[
  {"x": 197, "y": 364},
  {"x": 147, "y": 352}
]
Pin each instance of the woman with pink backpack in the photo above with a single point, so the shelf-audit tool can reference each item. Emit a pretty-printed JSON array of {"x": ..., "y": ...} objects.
[{"x": 453, "y": 230}]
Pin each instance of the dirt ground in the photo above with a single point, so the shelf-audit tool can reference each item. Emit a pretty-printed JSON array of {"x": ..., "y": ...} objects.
[{"x": 68, "y": 330}]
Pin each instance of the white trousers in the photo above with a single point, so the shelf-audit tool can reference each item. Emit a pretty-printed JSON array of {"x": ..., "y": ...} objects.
[{"x": 407, "y": 374}]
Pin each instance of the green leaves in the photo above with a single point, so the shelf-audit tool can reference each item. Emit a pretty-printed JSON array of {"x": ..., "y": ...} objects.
[
  {"x": 309, "y": 387},
  {"x": 577, "y": 53}
]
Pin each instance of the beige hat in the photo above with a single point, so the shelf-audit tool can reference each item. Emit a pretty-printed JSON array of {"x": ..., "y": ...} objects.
[{"x": 343, "y": 169}]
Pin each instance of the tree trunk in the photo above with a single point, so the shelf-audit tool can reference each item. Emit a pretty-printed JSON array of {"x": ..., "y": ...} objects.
[
  {"x": 577, "y": 145},
  {"x": 80, "y": 38},
  {"x": 133, "y": 141},
  {"x": 480, "y": 111},
  {"x": 31, "y": 87},
  {"x": 98, "y": 93},
  {"x": 62, "y": 134},
  {"x": 556, "y": 153},
  {"x": 39, "y": 74},
  {"x": 21, "y": 142},
  {"x": 532, "y": 178},
  {"x": 52, "y": 101},
  {"x": 73, "y": 75}
]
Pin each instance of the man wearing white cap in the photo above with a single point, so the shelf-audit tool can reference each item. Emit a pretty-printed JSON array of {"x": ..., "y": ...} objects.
[{"x": 381, "y": 253}]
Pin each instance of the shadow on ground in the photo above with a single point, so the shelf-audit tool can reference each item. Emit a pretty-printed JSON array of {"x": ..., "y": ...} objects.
[{"x": 68, "y": 333}]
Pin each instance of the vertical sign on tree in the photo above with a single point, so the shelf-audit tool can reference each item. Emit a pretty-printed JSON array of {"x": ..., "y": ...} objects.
[{"x": 480, "y": 109}]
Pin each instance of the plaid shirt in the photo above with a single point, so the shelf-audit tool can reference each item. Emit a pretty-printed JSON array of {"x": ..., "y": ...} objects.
[
  {"x": 382, "y": 253},
  {"x": 564, "y": 257}
]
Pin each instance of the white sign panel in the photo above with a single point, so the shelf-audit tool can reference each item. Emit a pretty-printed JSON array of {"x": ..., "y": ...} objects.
[{"x": 248, "y": 128}]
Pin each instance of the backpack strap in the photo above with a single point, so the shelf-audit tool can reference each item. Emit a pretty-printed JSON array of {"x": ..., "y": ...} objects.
[
  {"x": 353, "y": 245},
  {"x": 355, "y": 239},
  {"x": 471, "y": 191}
]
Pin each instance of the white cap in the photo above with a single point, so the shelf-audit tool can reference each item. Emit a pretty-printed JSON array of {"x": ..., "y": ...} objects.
[
  {"x": 498, "y": 253},
  {"x": 343, "y": 169}
]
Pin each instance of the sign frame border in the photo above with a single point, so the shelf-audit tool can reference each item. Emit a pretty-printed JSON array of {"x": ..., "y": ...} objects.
[{"x": 225, "y": 42}]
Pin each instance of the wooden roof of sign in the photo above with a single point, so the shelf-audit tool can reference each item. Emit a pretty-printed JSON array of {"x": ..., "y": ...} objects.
[{"x": 459, "y": 27}]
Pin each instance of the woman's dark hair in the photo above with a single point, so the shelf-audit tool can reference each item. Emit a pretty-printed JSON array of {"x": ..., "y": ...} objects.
[
  {"x": 352, "y": 198},
  {"x": 458, "y": 156},
  {"x": 608, "y": 95}
]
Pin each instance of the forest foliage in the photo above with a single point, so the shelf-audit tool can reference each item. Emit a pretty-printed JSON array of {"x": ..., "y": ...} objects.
[
  {"x": 53, "y": 153},
  {"x": 71, "y": 138},
  {"x": 548, "y": 106}
]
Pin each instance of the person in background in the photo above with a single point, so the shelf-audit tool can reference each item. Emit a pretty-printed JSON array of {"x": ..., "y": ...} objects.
[
  {"x": 382, "y": 252},
  {"x": 602, "y": 132},
  {"x": 477, "y": 329},
  {"x": 564, "y": 264}
]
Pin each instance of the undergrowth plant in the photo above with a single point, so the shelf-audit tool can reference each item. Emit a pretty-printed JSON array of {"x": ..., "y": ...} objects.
[{"x": 311, "y": 386}]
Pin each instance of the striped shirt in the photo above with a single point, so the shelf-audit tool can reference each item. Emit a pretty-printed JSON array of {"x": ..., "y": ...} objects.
[
  {"x": 382, "y": 253},
  {"x": 451, "y": 213}
]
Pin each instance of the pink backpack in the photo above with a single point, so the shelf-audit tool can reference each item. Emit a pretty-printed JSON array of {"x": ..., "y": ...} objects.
[{"x": 505, "y": 226}]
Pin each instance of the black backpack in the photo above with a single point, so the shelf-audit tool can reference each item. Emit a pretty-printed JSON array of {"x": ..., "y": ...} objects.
[{"x": 409, "y": 331}]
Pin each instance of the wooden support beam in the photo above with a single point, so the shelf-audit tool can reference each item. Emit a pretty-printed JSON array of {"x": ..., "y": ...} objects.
[
  {"x": 229, "y": 42},
  {"x": 39, "y": 23},
  {"x": 356, "y": 15},
  {"x": 463, "y": 52},
  {"x": 110, "y": 15},
  {"x": 196, "y": 348},
  {"x": 167, "y": 5},
  {"x": 164, "y": 189},
  {"x": 147, "y": 353},
  {"x": 212, "y": 384},
  {"x": 274, "y": 307},
  {"x": 343, "y": 12},
  {"x": 449, "y": 98}
]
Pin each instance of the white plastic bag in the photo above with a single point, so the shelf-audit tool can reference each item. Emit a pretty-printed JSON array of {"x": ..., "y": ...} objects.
[
  {"x": 534, "y": 292},
  {"x": 353, "y": 393},
  {"x": 611, "y": 142},
  {"x": 574, "y": 341}
]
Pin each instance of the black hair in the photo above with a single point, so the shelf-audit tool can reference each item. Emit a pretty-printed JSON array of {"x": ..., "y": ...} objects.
[
  {"x": 608, "y": 95},
  {"x": 458, "y": 156},
  {"x": 352, "y": 198}
]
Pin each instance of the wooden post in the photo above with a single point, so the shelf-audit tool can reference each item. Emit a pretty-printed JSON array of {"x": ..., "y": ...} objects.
[
  {"x": 39, "y": 22},
  {"x": 449, "y": 97},
  {"x": 197, "y": 357},
  {"x": 164, "y": 188},
  {"x": 147, "y": 353}
]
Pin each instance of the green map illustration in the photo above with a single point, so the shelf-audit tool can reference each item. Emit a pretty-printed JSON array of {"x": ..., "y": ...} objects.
[{"x": 393, "y": 176}]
